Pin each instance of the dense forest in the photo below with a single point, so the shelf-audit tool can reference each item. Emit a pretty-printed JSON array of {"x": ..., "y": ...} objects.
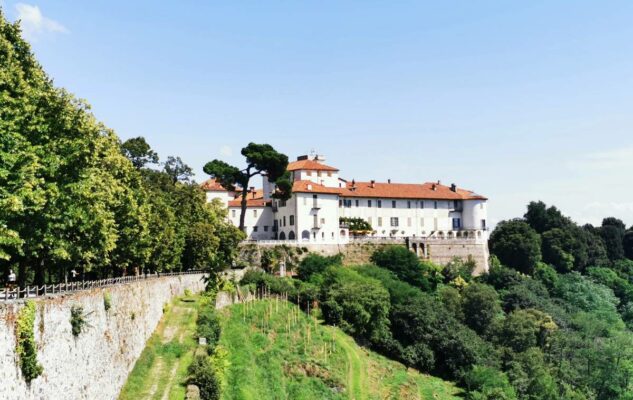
[
  {"x": 72, "y": 196},
  {"x": 550, "y": 320}
]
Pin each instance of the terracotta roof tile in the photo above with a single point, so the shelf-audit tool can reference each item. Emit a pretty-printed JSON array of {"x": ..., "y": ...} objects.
[
  {"x": 309, "y": 165},
  {"x": 407, "y": 191},
  {"x": 212, "y": 185},
  {"x": 311, "y": 187}
]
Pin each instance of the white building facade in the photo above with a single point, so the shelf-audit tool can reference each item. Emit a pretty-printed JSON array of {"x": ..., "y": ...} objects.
[{"x": 321, "y": 198}]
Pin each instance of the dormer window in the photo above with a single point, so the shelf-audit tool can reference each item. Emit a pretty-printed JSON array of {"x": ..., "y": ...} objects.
[{"x": 309, "y": 173}]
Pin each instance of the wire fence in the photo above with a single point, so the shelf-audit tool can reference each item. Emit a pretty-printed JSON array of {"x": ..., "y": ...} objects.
[{"x": 9, "y": 293}]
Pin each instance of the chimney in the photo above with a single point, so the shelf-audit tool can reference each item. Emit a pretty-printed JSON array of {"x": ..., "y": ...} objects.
[
  {"x": 373, "y": 183},
  {"x": 433, "y": 187},
  {"x": 353, "y": 183},
  {"x": 453, "y": 187},
  {"x": 253, "y": 191},
  {"x": 389, "y": 180}
]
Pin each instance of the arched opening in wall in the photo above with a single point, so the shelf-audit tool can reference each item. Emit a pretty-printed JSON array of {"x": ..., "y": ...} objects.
[
  {"x": 305, "y": 235},
  {"x": 414, "y": 247},
  {"x": 478, "y": 233},
  {"x": 450, "y": 234},
  {"x": 459, "y": 234},
  {"x": 441, "y": 235},
  {"x": 342, "y": 232},
  {"x": 282, "y": 236},
  {"x": 291, "y": 235}
]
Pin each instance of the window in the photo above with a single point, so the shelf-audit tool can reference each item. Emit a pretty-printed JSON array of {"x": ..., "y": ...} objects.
[
  {"x": 409, "y": 204},
  {"x": 435, "y": 204},
  {"x": 394, "y": 221},
  {"x": 357, "y": 202},
  {"x": 421, "y": 203},
  {"x": 284, "y": 224},
  {"x": 329, "y": 173},
  {"x": 393, "y": 204},
  {"x": 233, "y": 213},
  {"x": 379, "y": 203},
  {"x": 340, "y": 203},
  {"x": 457, "y": 223},
  {"x": 322, "y": 221},
  {"x": 255, "y": 213},
  {"x": 379, "y": 221},
  {"x": 409, "y": 221},
  {"x": 322, "y": 235},
  {"x": 265, "y": 228},
  {"x": 292, "y": 220},
  {"x": 282, "y": 203},
  {"x": 255, "y": 228},
  {"x": 483, "y": 224},
  {"x": 318, "y": 173},
  {"x": 309, "y": 173},
  {"x": 369, "y": 203}
]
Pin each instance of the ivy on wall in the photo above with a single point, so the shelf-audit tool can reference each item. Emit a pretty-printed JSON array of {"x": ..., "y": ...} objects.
[{"x": 26, "y": 347}]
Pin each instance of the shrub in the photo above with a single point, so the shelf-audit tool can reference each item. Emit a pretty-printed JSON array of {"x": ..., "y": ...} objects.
[
  {"x": 202, "y": 374},
  {"x": 208, "y": 326},
  {"x": 26, "y": 347},
  {"x": 78, "y": 319},
  {"x": 486, "y": 383},
  {"x": 107, "y": 301},
  {"x": 315, "y": 264}
]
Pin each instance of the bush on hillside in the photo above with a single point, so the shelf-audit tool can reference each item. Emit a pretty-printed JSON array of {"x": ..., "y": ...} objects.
[
  {"x": 315, "y": 264},
  {"x": 359, "y": 305},
  {"x": 202, "y": 374},
  {"x": 208, "y": 326},
  {"x": 404, "y": 264}
]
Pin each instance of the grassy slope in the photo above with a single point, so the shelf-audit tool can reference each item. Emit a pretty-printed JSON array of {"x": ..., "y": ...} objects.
[
  {"x": 277, "y": 352},
  {"x": 161, "y": 370}
]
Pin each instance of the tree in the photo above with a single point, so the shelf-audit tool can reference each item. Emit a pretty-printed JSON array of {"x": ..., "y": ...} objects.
[
  {"x": 138, "y": 151},
  {"x": 177, "y": 169},
  {"x": 541, "y": 218},
  {"x": 359, "y": 305},
  {"x": 627, "y": 244},
  {"x": 516, "y": 245},
  {"x": 404, "y": 264},
  {"x": 261, "y": 159},
  {"x": 316, "y": 264},
  {"x": 481, "y": 306},
  {"x": 613, "y": 231}
]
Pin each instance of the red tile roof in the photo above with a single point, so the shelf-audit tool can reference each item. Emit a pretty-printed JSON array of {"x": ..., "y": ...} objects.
[
  {"x": 427, "y": 190},
  {"x": 309, "y": 165},
  {"x": 212, "y": 185},
  {"x": 256, "y": 200},
  {"x": 311, "y": 187}
]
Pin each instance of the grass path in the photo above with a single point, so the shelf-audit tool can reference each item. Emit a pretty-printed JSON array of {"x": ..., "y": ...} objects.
[
  {"x": 160, "y": 371},
  {"x": 356, "y": 367}
]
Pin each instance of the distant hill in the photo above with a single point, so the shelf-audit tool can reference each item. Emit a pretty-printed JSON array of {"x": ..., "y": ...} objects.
[{"x": 276, "y": 351}]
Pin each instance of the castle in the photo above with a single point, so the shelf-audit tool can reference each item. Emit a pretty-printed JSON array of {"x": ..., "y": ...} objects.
[{"x": 436, "y": 221}]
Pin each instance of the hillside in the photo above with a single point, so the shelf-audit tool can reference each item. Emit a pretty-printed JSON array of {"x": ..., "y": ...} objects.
[{"x": 277, "y": 352}]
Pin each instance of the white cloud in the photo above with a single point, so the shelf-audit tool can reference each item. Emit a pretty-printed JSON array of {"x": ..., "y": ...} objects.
[
  {"x": 34, "y": 23},
  {"x": 226, "y": 151}
]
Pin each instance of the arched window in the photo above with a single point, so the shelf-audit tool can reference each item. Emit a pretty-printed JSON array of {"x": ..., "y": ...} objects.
[
  {"x": 291, "y": 235},
  {"x": 282, "y": 236},
  {"x": 343, "y": 232},
  {"x": 305, "y": 235}
]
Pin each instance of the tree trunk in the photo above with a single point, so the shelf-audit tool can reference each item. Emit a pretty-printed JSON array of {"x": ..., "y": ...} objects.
[{"x": 243, "y": 211}]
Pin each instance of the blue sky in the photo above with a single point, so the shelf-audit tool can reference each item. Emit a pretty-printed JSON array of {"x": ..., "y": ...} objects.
[{"x": 518, "y": 101}]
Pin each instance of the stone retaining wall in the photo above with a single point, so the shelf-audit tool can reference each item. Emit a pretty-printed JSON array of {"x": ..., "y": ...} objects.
[{"x": 95, "y": 364}]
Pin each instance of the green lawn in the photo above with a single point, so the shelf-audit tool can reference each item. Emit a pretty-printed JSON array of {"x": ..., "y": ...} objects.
[
  {"x": 277, "y": 352},
  {"x": 161, "y": 370}
]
